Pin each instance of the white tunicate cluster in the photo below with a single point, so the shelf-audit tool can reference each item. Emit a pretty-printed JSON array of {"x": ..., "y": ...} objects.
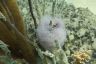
[{"x": 51, "y": 30}]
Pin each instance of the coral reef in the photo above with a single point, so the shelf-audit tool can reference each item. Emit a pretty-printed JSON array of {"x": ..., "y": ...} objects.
[
  {"x": 79, "y": 22},
  {"x": 80, "y": 26}
]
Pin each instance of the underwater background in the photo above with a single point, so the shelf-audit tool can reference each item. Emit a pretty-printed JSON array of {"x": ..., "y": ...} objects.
[{"x": 79, "y": 17}]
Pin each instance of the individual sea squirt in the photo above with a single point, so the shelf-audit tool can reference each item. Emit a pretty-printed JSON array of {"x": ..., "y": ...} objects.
[{"x": 49, "y": 30}]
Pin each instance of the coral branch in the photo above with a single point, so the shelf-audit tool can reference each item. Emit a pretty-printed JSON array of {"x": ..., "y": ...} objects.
[
  {"x": 31, "y": 10},
  {"x": 14, "y": 34}
]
